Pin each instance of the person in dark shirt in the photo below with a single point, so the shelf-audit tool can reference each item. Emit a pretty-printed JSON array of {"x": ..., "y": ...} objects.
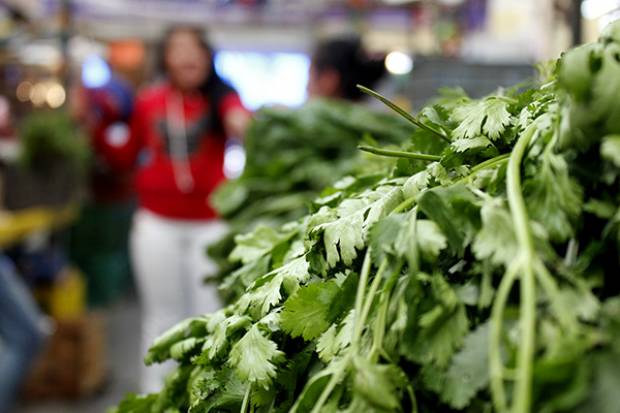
[{"x": 340, "y": 64}]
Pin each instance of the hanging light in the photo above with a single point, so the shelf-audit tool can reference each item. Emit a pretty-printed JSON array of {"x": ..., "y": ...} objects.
[
  {"x": 398, "y": 63},
  {"x": 23, "y": 91},
  {"x": 38, "y": 94},
  {"x": 95, "y": 72},
  {"x": 55, "y": 95}
]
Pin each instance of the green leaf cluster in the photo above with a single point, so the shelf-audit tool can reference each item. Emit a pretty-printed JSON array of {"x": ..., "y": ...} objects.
[
  {"x": 481, "y": 278},
  {"x": 292, "y": 155}
]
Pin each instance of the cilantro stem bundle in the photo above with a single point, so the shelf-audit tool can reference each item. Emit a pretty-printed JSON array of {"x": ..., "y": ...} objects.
[{"x": 478, "y": 272}]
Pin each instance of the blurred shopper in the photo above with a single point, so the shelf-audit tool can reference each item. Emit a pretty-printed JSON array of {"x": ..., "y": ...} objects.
[
  {"x": 22, "y": 332},
  {"x": 339, "y": 65},
  {"x": 178, "y": 135},
  {"x": 99, "y": 239}
]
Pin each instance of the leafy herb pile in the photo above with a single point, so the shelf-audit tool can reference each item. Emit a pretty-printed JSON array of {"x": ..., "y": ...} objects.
[
  {"x": 479, "y": 275},
  {"x": 292, "y": 154},
  {"x": 49, "y": 137}
]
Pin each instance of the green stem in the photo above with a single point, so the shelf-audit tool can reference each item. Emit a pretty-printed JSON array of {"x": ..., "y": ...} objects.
[
  {"x": 379, "y": 332},
  {"x": 414, "y": 402},
  {"x": 370, "y": 297},
  {"x": 403, "y": 205},
  {"x": 359, "y": 298},
  {"x": 373, "y": 291},
  {"x": 399, "y": 154},
  {"x": 551, "y": 289},
  {"x": 381, "y": 320},
  {"x": 327, "y": 391},
  {"x": 496, "y": 368},
  {"x": 510, "y": 374},
  {"x": 414, "y": 255},
  {"x": 527, "y": 315},
  {"x": 361, "y": 320},
  {"x": 525, "y": 356},
  {"x": 402, "y": 112},
  {"x": 489, "y": 163},
  {"x": 246, "y": 399},
  {"x": 515, "y": 197}
]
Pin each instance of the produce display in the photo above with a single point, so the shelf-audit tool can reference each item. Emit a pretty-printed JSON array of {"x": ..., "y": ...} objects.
[
  {"x": 292, "y": 154},
  {"x": 49, "y": 137},
  {"x": 479, "y": 274}
]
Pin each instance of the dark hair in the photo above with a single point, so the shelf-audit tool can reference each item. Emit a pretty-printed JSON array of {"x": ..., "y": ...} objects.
[
  {"x": 348, "y": 58},
  {"x": 214, "y": 88}
]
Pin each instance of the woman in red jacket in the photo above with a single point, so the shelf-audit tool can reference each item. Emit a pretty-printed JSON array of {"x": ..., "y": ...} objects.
[{"x": 177, "y": 141}]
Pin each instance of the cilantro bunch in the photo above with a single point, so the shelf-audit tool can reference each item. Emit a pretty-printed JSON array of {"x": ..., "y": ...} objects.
[
  {"x": 292, "y": 154},
  {"x": 478, "y": 274}
]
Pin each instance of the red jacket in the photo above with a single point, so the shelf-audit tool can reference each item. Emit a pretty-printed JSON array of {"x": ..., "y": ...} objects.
[{"x": 178, "y": 167}]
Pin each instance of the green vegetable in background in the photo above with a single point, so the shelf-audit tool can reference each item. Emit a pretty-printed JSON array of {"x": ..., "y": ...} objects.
[
  {"x": 480, "y": 274},
  {"x": 49, "y": 137},
  {"x": 292, "y": 154}
]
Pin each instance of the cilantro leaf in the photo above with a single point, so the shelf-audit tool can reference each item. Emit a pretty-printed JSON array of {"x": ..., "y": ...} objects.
[
  {"x": 265, "y": 292},
  {"x": 575, "y": 71},
  {"x": 346, "y": 234},
  {"x": 455, "y": 212},
  {"x": 202, "y": 384},
  {"x": 221, "y": 331},
  {"x": 378, "y": 384},
  {"x": 336, "y": 338},
  {"x": 180, "y": 350},
  {"x": 554, "y": 199},
  {"x": 606, "y": 87},
  {"x": 136, "y": 404},
  {"x": 438, "y": 341},
  {"x": 383, "y": 236},
  {"x": 430, "y": 238},
  {"x": 306, "y": 313},
  {"x": 496, "y": 240},
  {"x": 415, "y": 184},
  {"x": 253, "y": 357},
  {"x": 249, "y": 247},
  {"x": 228, "y": 396},
  {"x": 464, "y": 144},
  {"x": 610, "y": 149},
  {"x": 489, "y": 117},
  {"x": 160, "y": 350},
  {"x": 469, "y": 369},
  {"x": 436, "y": 324}
]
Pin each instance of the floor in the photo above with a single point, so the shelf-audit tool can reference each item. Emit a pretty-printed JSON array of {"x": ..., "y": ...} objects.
[{"x": 123, "y": 322}]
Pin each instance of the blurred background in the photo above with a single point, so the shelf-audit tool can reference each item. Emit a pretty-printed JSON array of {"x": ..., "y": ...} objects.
[{"x": 69, "y": 73}]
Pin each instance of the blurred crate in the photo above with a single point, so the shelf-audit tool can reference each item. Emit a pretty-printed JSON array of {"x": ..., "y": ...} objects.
[
  {"x": 65, "y": 298},
  {"x": 73, "y": 362}
]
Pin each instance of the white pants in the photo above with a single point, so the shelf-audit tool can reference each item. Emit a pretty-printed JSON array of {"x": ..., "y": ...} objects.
[{"x": 170, "y": 261}]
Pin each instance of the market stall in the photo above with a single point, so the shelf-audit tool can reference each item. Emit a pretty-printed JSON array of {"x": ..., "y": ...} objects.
[{"x": 310, "y": 206}]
